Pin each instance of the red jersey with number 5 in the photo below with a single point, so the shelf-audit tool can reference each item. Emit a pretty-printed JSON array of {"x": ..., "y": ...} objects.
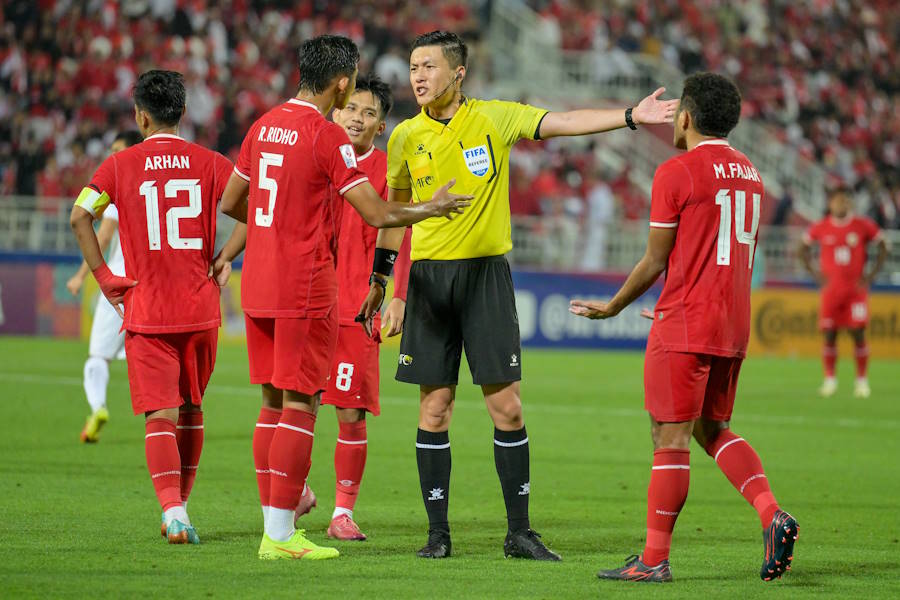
[
  {"x": 843, "y": 247},
  {"x": 712, "y": 195},
  {"x": 166, "y": 191},
  {"x": 298, "y": 165}
]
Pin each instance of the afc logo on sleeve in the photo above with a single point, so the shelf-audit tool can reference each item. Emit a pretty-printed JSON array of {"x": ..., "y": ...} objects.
[
  {"x": 477, "y": 160},
  {"x": 349, "y": 156}
]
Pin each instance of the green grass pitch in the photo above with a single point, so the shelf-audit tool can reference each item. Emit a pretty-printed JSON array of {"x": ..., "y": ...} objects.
[{"x": 82, "y": 521}]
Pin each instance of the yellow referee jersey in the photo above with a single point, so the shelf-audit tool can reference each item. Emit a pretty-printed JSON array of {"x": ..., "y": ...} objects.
[{"x": 473, "y": 148}]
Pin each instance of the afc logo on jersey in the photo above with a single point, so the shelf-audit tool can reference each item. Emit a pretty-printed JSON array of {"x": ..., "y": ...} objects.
[
  {"x": 424, "y": 181},
  {"x": 478, "y": 161}
]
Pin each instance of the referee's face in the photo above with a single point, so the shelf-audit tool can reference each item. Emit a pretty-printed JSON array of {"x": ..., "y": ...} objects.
[{"x": 431, "y": 76}]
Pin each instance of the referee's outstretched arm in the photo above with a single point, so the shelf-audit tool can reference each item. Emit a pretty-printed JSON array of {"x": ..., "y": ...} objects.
[{"x": 650, "y": 110}]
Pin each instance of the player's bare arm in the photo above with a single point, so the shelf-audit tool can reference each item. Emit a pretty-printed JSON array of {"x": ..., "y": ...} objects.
[
  {"x": 234, "y": 198},
  {"x": 883, "y": 249},
  {"x": 651, "y": 110},
  {"x": 805, "y": 251},
  {"x": 378, "y": 213},
  {"x": 105, "y": 234},
  {"x": 113, "y": 287},
  {"x": 221, "y": 265},
  {"x": 659, "y": 245}
]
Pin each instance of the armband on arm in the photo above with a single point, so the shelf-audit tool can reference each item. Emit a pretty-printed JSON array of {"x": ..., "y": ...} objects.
[{"x": 384, "y": 261}]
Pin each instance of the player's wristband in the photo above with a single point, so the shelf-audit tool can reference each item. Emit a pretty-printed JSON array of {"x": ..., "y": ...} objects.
[
  {"x": 384, "y": 261},
  {"x": 102, "y": 274},
  {"x": 628, "y": 120}
]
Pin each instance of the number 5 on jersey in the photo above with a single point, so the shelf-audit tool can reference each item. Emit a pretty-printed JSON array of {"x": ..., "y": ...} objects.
[
  {"x": 723, "y": 247},
  {"x": 268, "y": 159}
]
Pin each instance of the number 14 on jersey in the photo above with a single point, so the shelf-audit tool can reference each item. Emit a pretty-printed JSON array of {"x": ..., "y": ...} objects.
[{"x": 741, "y": 233}]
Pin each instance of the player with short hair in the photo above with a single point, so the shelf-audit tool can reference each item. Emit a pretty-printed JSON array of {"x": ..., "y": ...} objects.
[
  {"x": 460, "y": 286},
  {"x": 704, "y": 216},
  {"x": 843, "y": 239},
  {"x": 166, "y": 191},
  {"x": 107, "y": 341},
  {"x": 295, "y": 165}
]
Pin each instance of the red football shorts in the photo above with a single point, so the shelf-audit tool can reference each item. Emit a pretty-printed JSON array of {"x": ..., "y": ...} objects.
[
  {"x": 291, "y": 353},
  {"x": 354, "y": 372},
  {"x": 166, "y": 370},
  {"x": 681, "y": 386},
  {"x": 844, "y": 306}
]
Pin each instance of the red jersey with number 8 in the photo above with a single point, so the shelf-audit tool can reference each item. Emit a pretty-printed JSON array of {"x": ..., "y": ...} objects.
[
  {"x": 166, "y": 191},
  {"x": 713, "y": 196},
  {"x": 298, "y": 165}
]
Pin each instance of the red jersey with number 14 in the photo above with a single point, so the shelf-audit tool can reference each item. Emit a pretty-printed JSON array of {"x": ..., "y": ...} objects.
[
  {"x": 843, "y": 247},
  {"x": 166, "y": 191},
  {"x": 298, "y": 165},
  {"x": 713, "y": 196}
]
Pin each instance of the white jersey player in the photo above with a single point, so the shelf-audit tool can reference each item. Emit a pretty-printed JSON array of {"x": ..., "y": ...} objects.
[{"x": 107, "y": 338}]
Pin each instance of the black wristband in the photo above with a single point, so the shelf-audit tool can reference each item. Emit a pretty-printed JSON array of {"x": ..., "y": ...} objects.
[
  {"x": 628, "y": 120},
  {"x": 384, "y": 261}
]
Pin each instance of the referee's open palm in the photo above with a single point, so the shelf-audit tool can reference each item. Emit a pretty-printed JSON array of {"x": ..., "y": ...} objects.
[
  {"x": 447, "y": 204},
  {"x": 652, "y": 110}
]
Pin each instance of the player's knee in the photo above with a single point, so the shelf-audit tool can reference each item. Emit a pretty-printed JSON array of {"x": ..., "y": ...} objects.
[
  {"x": 706, "y": 432},
  {"x": 350, "y": 415},
  {"x": 508, "y": 415},
  {"x": 859, "y": 336}
]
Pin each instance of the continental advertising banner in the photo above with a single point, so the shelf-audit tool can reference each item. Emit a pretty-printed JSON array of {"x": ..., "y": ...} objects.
[{"x": 785, "y": 322}]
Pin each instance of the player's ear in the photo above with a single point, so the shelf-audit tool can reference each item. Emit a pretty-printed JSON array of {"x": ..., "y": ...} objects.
[
  {"x": 381, "y": 128},
  {"x": 335, "y": 113}
]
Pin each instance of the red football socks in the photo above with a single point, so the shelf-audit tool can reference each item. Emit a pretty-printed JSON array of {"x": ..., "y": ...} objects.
[
  {"x": 262, "y": 442},
  {"x": 163, "y": 461},
  {"x": 669, "y": 481},
  {"x": 862, "y": 360},
  {"x": 349, "y": 462},
  {"x": 289, "y": 457},
  {"x": 829, "y": 358},
  {"x": 189, "y": 437},
  {"x": 741, "y": 465}
]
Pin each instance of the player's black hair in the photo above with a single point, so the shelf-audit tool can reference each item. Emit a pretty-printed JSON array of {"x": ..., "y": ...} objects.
[
  {"x": 713, "y": 102},
  {"x": 379, "y": 89},
  {"x": 130, "y": 137},
  {"x": 455, "y": 50},
  {"x": 161, "y": 93},
  {"x": 323, "y": 58}
]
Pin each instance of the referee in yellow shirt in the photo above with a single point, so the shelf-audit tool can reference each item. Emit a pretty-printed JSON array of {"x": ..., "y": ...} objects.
[{"x": 460, "y": 288}]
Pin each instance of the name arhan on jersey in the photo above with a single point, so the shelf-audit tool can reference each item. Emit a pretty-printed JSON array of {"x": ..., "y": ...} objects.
[
  {"x": 166, "y": 161},
  {"x": 736, "y": 171},
  {"x": 278, "y": 135}
]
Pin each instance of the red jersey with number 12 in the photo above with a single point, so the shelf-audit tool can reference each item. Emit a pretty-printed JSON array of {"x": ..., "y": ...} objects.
[
  {"x": 166, "y": 191},
  {"x": 713, "y": 196},
  {"x": 298, "y": 165}
]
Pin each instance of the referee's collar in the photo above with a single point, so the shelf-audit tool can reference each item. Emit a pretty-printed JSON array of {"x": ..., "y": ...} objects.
[{"x": 439, "y": 127}]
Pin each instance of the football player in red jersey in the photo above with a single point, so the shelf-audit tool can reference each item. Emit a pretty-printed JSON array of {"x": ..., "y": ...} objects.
[
  {"x": 843, "y": 238},
  {"x": 293, "y": 167},
  {"x": 353, "y": 384},
  {"x": 704, "y": 215},
  {"x": 166, "y": 191}
]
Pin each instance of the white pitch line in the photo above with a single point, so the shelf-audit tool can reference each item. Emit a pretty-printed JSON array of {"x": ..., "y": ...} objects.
[{"x": 251, "y": 391}]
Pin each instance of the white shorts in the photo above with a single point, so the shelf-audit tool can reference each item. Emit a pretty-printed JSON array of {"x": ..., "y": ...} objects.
[{"x": 107, "y": 341}]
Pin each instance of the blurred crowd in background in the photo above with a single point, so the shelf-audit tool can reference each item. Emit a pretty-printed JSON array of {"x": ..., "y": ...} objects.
[{"x": 823, "y": 74}]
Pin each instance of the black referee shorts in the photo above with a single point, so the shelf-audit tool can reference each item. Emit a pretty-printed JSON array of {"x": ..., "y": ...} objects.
[{"x": 456, "y": 304}]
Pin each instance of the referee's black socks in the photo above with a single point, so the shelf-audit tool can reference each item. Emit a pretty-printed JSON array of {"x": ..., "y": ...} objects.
[
  {"x": 433, "y": 459},
  {"x": 511, "y": 458}
]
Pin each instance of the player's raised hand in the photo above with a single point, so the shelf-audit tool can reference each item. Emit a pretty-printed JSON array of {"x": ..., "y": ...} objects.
[
  {"x": 220, "y": 269},
  {"x": 447, "y": 204},
  {"x": 591, "y": 310},
  {"x": 651, "y": 110},
  {"x": 393, "y": 317},
  {"x": 113, "y": 287}
]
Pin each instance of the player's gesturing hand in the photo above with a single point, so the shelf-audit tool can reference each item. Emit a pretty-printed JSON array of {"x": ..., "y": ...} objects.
[
  {"x": 113, "y": 287},
  {"x": 592, "y": 310},
  {"x": 651, "y": 110},
  {"x": 447, "y": 204},
  {"x": 370, "y": 306},
  {"x": 220, "y": 269},
  {"x": 393, "y": 317}
]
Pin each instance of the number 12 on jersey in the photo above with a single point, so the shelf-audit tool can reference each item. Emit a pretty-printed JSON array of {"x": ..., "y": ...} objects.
[
  {"x": 743, "y": 236},
  {"x": 173, "y": 215}
]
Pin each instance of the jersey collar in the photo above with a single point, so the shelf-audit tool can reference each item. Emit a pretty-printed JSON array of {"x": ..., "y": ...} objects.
[
  {"x": 170, "y": 136},
  {"x": 366, "y": 154},
  {"x": 715, "y": 142},
  {"x": 439, "y": 127},
  {"x": 299, "y": 102}
]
